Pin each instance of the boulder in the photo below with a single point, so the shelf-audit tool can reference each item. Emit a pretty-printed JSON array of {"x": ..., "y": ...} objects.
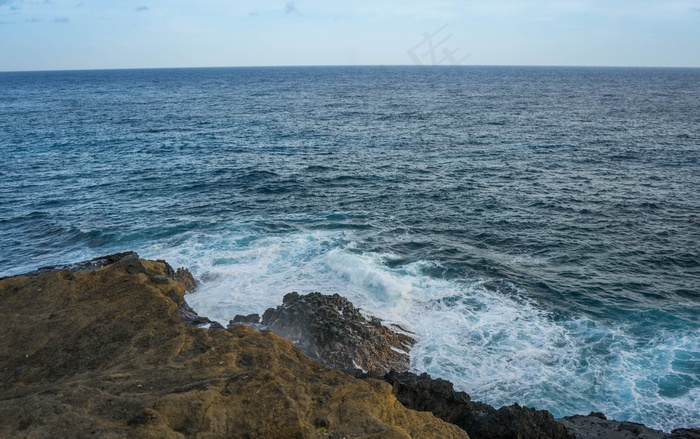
[{"x": 329, "y": 329}]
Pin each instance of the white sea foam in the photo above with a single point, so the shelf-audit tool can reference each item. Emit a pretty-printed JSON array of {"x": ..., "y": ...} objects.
[{"x": 501, "y": 348}]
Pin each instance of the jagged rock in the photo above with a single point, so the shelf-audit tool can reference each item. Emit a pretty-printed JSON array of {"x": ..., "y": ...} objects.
[
  {"x": 331, "y": 330},
  {"x": 481, "y": 421},
  {"x": 181, "y": 275},
  {"x": 104, "y": 353},
  {"x": 184, "y": 276},
  {"x": 596, "y": 425}
]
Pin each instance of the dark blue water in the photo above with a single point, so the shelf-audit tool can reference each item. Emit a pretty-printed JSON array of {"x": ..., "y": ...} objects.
[{"x": 538, "y": 228}]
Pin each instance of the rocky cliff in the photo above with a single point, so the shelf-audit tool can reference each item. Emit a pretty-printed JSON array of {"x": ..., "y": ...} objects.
[{"x": 101, "y": 350}]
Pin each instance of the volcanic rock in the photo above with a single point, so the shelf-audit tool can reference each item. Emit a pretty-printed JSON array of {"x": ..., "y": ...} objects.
[
  {"x": 596, "y": 425},
  {"x": 331, "y": 330},
  {"x": 481, "y": 421}
]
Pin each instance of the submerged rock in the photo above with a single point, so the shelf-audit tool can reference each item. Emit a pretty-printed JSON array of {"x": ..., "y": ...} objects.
[
  {"x": 331, "y": 330},
  {"x": 104, "y": 352}
]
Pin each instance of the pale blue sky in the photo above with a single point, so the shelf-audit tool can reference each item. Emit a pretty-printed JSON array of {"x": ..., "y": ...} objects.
[{"x": 89, "y": 34}]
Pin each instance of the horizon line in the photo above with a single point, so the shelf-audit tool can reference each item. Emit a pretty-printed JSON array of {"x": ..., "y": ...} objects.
[{"x": 97, "y": 69}]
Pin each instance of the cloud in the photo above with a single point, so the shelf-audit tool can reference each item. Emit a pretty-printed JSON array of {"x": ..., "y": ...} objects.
[
  {"x": 142, "y": 9},
  {"x": 291, "y": 9},
  {"x": 61, "y": 20}
]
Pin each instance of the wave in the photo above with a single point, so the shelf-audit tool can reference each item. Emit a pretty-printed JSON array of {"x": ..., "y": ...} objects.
[{"x": 496, "y": 343}]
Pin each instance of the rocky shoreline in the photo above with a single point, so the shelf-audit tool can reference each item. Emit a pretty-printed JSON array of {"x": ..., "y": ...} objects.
[{"x": 110, "y": 348}]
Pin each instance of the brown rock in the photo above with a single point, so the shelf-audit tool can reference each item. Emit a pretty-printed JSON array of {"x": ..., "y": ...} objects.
[
  {"x": 103, "y": 353},
  {"x": 181, "y": 275},
  {"x": 184, "y": 276}
]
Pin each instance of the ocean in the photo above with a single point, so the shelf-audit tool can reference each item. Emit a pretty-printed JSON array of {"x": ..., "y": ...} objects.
[{"x": 538, "y": 228}]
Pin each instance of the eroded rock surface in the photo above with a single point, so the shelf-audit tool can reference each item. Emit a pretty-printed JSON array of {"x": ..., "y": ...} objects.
[
  {"x": 103, "y": 352},
  {"x": 329, "y": 329}
]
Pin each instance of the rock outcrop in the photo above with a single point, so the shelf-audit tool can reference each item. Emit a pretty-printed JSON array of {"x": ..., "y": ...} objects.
[
  {"x": 101, "y": 351},
  {"x": 331, "y": 330},
  {"x": 481, "y": 421}
]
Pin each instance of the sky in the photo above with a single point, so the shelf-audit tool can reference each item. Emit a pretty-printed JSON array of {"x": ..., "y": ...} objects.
[{"x": 106, "y": 34}]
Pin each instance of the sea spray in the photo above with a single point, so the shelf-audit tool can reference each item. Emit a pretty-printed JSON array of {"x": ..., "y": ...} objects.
[{"x": 495, "y": 343}]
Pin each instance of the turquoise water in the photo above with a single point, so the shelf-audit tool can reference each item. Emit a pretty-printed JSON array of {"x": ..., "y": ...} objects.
[{"x": 538, "y": 228}]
